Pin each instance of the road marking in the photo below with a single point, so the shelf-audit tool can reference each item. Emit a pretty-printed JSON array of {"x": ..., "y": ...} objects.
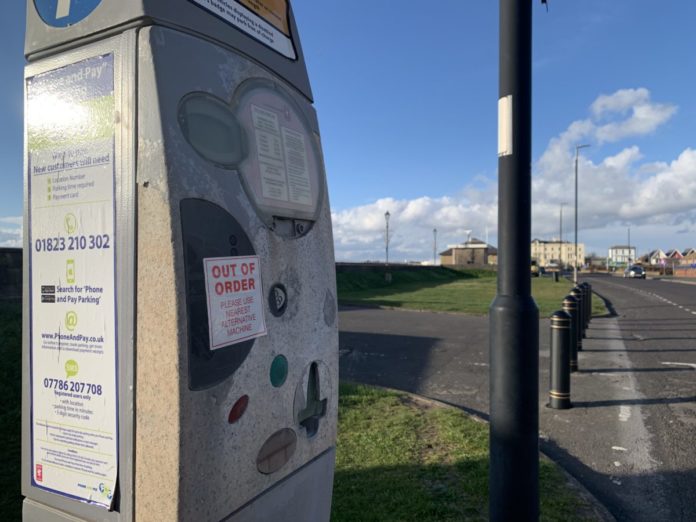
[
  {"x": 624, "y": 413},
  {"x": 691, "y": 365},
  {"x": 618, "y": 448},
  {"x": 62, "y": 9}
]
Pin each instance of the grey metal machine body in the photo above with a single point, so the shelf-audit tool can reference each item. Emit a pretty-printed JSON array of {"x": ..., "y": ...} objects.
[{"x": 223, "y": 399}]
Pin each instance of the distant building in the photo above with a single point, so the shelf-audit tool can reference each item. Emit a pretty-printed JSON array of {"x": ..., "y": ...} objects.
[
  {"x": 472, "y": 253},
  {"x": 596, "y": 262},
  {"x": 688, "y": 256},
  {"x": 621, "y": 256},
  {"x": 654, "y": 258},
  {"x": 559, "y": 253},
  {"x": 674, "y": 255}
]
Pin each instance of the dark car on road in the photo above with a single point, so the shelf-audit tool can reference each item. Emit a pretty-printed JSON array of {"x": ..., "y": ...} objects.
[{"x": 635, "y": 271}]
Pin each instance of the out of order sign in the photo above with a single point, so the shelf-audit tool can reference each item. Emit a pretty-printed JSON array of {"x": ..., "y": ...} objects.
[{"x": 234, "y": 296}]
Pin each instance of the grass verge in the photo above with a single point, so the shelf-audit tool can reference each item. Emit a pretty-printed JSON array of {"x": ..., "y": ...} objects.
[
  {"x": 444, "y": 290},
  {"x": 402, "y": 459}
]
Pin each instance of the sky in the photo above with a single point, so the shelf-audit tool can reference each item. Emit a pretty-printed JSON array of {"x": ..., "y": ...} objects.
[{"x": 406, "y": 96}]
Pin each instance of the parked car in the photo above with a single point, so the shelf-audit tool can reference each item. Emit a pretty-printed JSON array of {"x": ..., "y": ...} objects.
[{"x": 635, "y": 271}]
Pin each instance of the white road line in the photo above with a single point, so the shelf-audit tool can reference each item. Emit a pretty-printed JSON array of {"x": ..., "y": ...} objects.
[
  {"x": 624, "y": 413},
  {"x": 691, "y": 365}
]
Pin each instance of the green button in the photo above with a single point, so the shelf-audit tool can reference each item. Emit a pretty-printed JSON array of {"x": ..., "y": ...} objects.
[{"x": 279, "y": 371}]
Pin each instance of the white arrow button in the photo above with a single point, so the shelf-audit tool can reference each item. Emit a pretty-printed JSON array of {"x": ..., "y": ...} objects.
[{"x": 62, "y": 9}]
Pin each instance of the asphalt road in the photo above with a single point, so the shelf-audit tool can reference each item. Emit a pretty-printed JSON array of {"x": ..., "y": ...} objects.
[{"x": 630, "y": 437}]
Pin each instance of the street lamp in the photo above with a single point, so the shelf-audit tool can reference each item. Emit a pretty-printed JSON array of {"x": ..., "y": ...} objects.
[
  {"x": 560, "y": 240},
  {"x": 434, "y": 246},
  {"x": 575, "y": 264},
  {"x": 386, "y": 237}
]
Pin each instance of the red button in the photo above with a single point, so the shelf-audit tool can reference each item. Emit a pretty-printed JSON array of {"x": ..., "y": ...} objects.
[{"x": 238, "y": 409}]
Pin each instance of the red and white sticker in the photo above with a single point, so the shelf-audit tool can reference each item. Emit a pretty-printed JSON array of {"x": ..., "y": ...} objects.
[{"x": 235, "y": 299}]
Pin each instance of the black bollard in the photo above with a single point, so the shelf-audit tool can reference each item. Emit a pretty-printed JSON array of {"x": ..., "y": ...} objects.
[
  {"x": 577, "y": 293},
  {"x": 570, "y": 306},
  {"x": 583, "y": 293},
  {"x": 587, "y": 297},
  {"x": 559, "y": 385}
]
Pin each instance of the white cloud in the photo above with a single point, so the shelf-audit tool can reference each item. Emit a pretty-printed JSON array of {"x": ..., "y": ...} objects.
[
  {"x": 11, "y": 234},
  {"x": 644, "y": 119},
  {"x": 619, "y": 102},
  {"x": 615, "y": 191},
  {"x": 359, "y": 232}
]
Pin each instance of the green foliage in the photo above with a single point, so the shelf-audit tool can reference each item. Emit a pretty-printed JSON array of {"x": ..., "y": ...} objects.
[{"x": 11, "y": 412}]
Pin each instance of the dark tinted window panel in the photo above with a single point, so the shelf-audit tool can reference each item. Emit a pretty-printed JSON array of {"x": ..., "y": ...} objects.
[{"x": 209, "y": 231}]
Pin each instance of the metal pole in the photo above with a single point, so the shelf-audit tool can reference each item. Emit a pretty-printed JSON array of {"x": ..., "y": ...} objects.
[
  {"x": 434, "y": 246},
  {"x": 560, "y": 241},
  {"x": 575, "y": 264},
  {"x": 514, "y": 317},
  {"x": 386, "y": 237}
]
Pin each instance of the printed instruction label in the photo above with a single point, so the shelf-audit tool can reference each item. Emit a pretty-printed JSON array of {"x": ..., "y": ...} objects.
[
  {"x": 264, "y": 20},
  {"x": 235, "y": 299},
  {"x": 74, "y": 397},
  {"x": 282, "y": 157}
]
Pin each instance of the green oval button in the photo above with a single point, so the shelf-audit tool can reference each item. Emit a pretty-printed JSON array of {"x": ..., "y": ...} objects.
[{"x": 279, "y": 371}]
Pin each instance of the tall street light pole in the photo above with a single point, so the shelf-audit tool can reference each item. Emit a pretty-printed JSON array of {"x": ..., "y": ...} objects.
[
  {"x": 575, "y": 264},
  {"x": 434, "y": 246},
  {"x": 514, "y": 316},
  {"x": 560, "y": 240},
  {"x": 386, "y": 236}
]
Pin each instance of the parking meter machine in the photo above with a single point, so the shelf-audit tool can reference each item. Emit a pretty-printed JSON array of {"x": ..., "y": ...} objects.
[{"x": 181, "y": 341}]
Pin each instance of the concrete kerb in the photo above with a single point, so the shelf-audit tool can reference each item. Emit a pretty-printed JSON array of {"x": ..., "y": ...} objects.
[{"x": 598, "y": 510}]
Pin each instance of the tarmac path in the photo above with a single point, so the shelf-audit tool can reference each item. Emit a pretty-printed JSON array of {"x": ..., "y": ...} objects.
[{"x": 630, "y": 437}]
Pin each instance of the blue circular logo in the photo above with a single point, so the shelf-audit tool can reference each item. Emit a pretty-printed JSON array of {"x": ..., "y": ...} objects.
[{"x": 63, "y": 13}]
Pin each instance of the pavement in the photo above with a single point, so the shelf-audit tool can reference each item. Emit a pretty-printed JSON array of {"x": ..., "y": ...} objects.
[{"x": 610, "y": 441}]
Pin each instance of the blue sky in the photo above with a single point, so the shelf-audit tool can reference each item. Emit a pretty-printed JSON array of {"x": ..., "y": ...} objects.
[{"x": 407, "y": 99}]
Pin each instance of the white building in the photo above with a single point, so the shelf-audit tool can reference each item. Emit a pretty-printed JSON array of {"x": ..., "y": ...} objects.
[
  {"x": 561, "y": 253},
  {"x": 621, "y": 256}
]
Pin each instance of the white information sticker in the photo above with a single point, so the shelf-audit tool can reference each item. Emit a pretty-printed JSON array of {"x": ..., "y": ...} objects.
[
  {"x": 71, "y": 168},
  {"x": 505, "y": 126},
  {"x": 282, "y": 159},
  {"x": 235, "y": 299},
  {"x": 269, "y": 147},
  {"x": 264, "y": 20},
  {"x": 300, "y": 190}
]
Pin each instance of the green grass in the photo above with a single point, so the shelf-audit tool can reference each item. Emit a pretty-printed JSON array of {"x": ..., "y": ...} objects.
[
  {"x": 400, "y": 459},
  {"x": 444, "y": 290},
  {"x": 11, "y": 411}
]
